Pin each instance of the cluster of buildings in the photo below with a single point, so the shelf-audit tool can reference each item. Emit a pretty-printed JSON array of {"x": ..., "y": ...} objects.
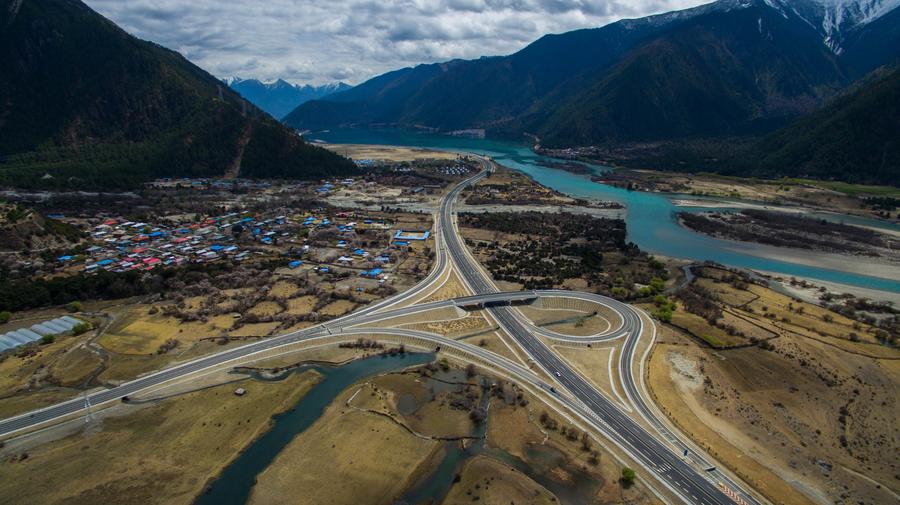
[
  {"x": 120, "y": 245},
  {"x": 203, "y": 184},
  {"x": 457, "y": 169}
]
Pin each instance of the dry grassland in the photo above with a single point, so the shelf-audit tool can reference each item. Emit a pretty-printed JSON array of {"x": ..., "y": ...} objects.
[
  {"x": 346, "y": 457},
  {"x": 163, "y": 453},
  {"x": 387, "y": 153},
  {"x": 797, "y": 421},
  {"x": 487, "y": 481}
]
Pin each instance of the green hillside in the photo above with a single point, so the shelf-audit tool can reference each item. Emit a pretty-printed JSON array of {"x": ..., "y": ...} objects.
[
  {"x": 84, "y": 104},
  {"x": 855, "y": 138}
]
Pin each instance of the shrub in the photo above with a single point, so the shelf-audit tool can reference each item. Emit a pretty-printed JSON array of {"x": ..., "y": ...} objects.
[
  {"x": 628, "y": 477},
  {"x": 5, "y": 316},
  {"x": 74, "y": 306},
  {"x": 81, "y": 328}
]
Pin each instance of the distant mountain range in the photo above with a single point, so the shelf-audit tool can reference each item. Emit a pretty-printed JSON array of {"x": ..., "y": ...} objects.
[
  {"x": 732, "y": 68},
  {"x": 280, "y": 97},
  {"x": 83, "y": 104}
]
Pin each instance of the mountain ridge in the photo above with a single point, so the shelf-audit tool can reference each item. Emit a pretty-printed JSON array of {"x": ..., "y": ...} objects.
[
  {"x": 85, "y": 104},
  {"x": 280, "y": 97},
  {"x": 726, "y": 69}
]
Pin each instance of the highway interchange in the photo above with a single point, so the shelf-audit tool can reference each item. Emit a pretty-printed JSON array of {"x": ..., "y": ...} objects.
[{"x": 691, "y": 478}]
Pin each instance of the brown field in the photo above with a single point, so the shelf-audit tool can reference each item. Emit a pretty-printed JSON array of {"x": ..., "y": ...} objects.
[
  {"x": 301, "y": 305},
  {"x": 136, "y": 332},
  {"x": 20, "y": 372},
  {"x": 284, "y": 289},
  {"x": 337, "y": 308},
  {"x": 568, "y": 322},
  {"x": 75, "y": 366},
  {"x": 493, "y": 342},
  {"x": 23, "y": 402},
  {"x": 797, "y": 421},
  {"x": 347, "y": 456},
  {"x": 433, "y": 418},
  {"x": 488, "y": 481},
  {"x": 516, "y": 431},
  {"x": 758, "y": 313},
  {"x": 160, "y": 453},
  {"x": 700, "y": 328},
  {"x": 594, "y": 364},
  {"x": 254, "y": 329},
  {"x": 389, "y": 153},
  {"x": 266, "y": 308},
  {"x": 836, "y": 196},
  {"x": 452, "y": 288},
  {"x": 127, "y": 366},
  {"x": 471, "y": 325}
]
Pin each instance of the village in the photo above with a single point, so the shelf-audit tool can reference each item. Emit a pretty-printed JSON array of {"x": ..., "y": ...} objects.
[
  {"x": 324, "y": 238},
  {"x": 194, "y": 246}
]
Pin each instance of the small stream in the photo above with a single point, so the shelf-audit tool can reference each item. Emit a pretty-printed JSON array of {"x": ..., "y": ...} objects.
[
  {"x": 579, "y": 486},
  {"x": 235, "y": 483},
  {"x": 238, "y": 478}
]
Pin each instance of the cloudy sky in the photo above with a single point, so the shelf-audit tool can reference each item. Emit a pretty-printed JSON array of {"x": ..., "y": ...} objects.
[{"x": 321, "y": 41}]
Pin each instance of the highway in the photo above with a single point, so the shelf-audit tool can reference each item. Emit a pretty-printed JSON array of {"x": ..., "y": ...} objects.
[
  {"x": 669, "y": 467},
  {"x": 673, "y": 471}
]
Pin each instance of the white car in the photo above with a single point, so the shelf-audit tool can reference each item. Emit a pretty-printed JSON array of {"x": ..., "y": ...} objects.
[{"x": 558, "y": 375}]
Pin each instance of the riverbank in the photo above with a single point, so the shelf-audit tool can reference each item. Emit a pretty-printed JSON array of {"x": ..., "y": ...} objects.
[
  {"x": 793, "y": 231},
  {"x": 152, "y": 453},
  {"x": 649, "y": 216},
  {"x": 875, "y": 202}
]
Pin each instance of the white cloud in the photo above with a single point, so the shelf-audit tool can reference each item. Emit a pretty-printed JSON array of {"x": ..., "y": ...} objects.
[{"x": 321, "y": 41}]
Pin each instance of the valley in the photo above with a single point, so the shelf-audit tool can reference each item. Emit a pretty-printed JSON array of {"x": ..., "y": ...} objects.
[{"x": 445, "y": 253}]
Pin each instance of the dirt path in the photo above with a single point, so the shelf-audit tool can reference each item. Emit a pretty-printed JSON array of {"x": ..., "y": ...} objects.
[{"x": 234, "y": 169}]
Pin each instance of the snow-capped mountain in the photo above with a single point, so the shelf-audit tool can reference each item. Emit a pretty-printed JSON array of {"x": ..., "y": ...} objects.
[
  {"x": 836, "y": 19},
  {"x": 279, "y": 97}
]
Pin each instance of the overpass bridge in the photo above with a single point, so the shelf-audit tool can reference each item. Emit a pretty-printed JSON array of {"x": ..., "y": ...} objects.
[{"x": 478, "y": 302}]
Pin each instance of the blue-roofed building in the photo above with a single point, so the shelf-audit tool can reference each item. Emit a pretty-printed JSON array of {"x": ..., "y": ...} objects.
[
  {"x": 65, "y": 324},
  {"x": 55, "y": 326},
  {"x": 42, "y": 329},
  {"x": 17, "y": 338},
  {"x": 373, "y": 273},
  {"x": 25, "y": 332},
  {"x": 294, "y": 264},
  {"x": 65, "y": 258},
  {"x": 411, "y": 235},
  {"x": 6, "y": 343}
]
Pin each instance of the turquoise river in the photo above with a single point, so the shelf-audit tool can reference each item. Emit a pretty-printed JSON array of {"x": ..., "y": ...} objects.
[{"x": 650, "y": 217}]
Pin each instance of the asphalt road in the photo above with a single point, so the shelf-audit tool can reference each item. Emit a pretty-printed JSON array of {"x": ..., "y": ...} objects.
[{"x": 655, "y": 456}]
